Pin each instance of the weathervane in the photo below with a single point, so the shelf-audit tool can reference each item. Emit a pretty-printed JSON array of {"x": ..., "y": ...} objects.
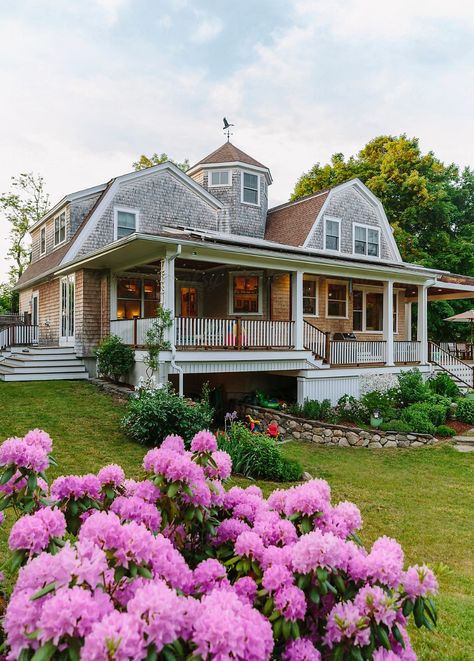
[{"x": 226, "y": 129}]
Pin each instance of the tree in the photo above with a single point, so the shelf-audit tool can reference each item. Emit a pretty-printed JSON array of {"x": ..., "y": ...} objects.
[
  {"x": 23, "y": 206},
  {"x": 429, "y": 204},
  {"x": 156, "y": 159}
]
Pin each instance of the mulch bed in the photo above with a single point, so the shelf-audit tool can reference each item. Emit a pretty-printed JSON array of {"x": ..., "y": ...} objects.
[{"x": 459, "y": 427}]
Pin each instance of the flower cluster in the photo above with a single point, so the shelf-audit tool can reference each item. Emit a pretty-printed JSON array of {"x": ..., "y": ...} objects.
[{"x": 175, "y": 566}]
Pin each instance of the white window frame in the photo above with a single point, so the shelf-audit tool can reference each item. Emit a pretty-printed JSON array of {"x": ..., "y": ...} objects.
[
  {"x": 233, "y": 274},
  {"x": 125, "y": 210},
  {"x": 254, "y": 174},
  {"x": 337, "y": 282},
  {"x": 117, "y": 275},
  {"x": 333, "y": 219},
  {"x": 366, "y": 227},
  {"x": 57, "y": 218},
  {"x": 314, "y": 278},
  {"x": 365, "y": 289},
  {"x": 229, "y": 179},
  {"x": 42, "y": 234}
]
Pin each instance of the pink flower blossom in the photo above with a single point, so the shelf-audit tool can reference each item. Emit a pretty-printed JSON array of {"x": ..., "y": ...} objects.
[
  {"x": 22, "y": 454},
  {"x": 301, "y": 649},
  {"x": 209, "y": 574},
  {"x": 246, "y": 589},
  {"x": 46, "y": 568},
  {"x": 40, "y": 438},
  {"x": 175, "y": 443},
  {"x": 135, "y": 509},
  {"x": 33, "y": 532},
  {"x": 317, "y": 549},
  {"x": 204, "y": 441},
  {"x": 277, "y": 577},
  {"x": 76, "y": 487},
  {"x": 249, "y": 544},
  {"x": 310, "y": 498},
  {"x": 342, "y": 520},
  {"x": 229, "y": 530},
  {"x": 223, "y": 468},
  {"x": 385, "y": 562},
  {"x": 112, "y": 474},
  {"x": 145, "y": 490},
  {"x": 118, "y": 636},
  {"x": 419, "y": 582},
  {"x": 376, "y": 604},
  {"x": 21, "y": 619},
  {"x": 347, "y": 623},
  {"x": 291, "y": 602}
]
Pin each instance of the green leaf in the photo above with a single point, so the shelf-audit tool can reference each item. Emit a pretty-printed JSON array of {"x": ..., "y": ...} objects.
[
  {"x": 339, "y": 582},
  {"x": 383, "y": 637},
  {"x": 286, "y": 629},
  {"x": 314, "y": 595},
  {"x": 338, "y": 653},
  {"x": 8, "y": 474},
  {"x": 16, "y": 560},
  {"x": 397, "y": 634},
  {"x": 32, "y": 483},
  {"x": 407, "y": 608},
  {"x": 295, "y": 630},
  {"x": 145, "y": 572},
  {"x": 46, "y": 590},
  {"x": 172, "y": 490},
  {"x": 152, "y": 655},
  {"x": 44, "y": 653},
  {"x": 268, "y": 606},
  {"x": 5, "y": 502},
  {"x": 419, "y": 608},
  {"x": 277, "y": 628}
]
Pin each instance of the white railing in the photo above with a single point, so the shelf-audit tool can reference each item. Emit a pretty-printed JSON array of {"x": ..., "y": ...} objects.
[
  {"x": 196, "y": 332},
  {"x": 348, "y": 352},
  {"x": 131, "y": 331},
  {"x": 457, "y": 368},
  {"x": 314, "y": 340},
  {"x": 406, "y": 352},
  {"x": 18, "y": 335},
  {"x": 263, "y": 333}
]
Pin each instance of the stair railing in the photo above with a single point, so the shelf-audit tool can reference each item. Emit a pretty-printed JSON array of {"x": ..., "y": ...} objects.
[
  {"x": 316, "y": 341},
  {"x": 451, "y": 364}
]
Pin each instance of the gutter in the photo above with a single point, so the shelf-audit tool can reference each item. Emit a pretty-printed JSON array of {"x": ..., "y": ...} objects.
[{"x": 174, "y": 365}]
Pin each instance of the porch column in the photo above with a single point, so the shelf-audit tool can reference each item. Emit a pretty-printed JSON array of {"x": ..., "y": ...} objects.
[
  {"x": 297, "y": 308},
  {"x": 422, "y": 323},
  {"x": 408, "y": 321},
  {"x": 388, "y": 321},
  {"x": 167, "y": 287}
]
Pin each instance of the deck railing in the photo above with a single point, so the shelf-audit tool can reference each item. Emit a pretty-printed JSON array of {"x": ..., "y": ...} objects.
[
  {"x": 407, "y": 351},
  {"x": 315, "y": 340},
  {"x": 457, "y": 368},
  {"x": 131, "y": 331},
  {"x": 265, "y": 333},
  {"x": 197, "y": 332},
  {"x": 18, "y": 335},
  {"x": 349, "y": 352}
]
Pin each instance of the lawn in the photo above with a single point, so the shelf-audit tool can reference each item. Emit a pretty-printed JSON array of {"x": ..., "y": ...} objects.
[{"x": 424, "y": 498}]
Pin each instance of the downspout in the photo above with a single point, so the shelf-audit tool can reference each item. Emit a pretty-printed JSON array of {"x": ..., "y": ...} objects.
[{"x": 174, "y": 365}]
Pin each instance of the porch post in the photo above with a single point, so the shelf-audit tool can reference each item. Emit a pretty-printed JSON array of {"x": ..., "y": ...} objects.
[
  {"x": 422, "y": 323},
  {"x": 297, "y": 308},
  {"x": 408, "y": 321},
  {"x": 388, "y": 321},
  {"x": 167, "y": 295}
]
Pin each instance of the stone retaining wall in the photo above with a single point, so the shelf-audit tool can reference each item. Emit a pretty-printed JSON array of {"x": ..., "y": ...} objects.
[
  {"x": 114, "y": 389},
  {"x": 323, "y": 433}
]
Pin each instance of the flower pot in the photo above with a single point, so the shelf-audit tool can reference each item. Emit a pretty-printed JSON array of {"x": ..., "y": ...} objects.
[{"x": 375, "y": 422}]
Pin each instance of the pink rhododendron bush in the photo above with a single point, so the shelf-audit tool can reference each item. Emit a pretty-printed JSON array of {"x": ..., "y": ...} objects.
[{"x": 176, "y": 567}]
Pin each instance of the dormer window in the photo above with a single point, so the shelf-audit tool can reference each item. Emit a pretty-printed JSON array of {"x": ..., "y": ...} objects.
[
  {"x": 219, "y": 178},
  {"x": 43, "y": 241},
  {"x": 250, "y": 189},
  {"x": 60, "y": 228},
  {"x": 332, "y": 234},
  {"x": 366, "y": 240},
  {"x": 126, "y": 222}
]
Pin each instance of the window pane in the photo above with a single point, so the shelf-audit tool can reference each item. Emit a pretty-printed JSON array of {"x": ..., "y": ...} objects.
[
  {"x": 245, "y": 292},
  {"x": 250, "y": 181},
  {"x": 332, "y": 235},
  {"x": 359, "y": 248},
  {"x": 332, "y": 243},
  {"x": 250, "y": 188},
  {"x": 357, "y": 311},
  {"x": 360, "y": 233},
  {"x": 129, "y": 288},
  {"x": 374, "y": 312},
  {"x": 127, "y": 309},
  {"x": 126, "y": 223},
  {"x": 337, "y": 305},
  {"x": 336, "y": 309},
  {"x": 309, "y": 296},
  {"x": 220, "y": 178}
]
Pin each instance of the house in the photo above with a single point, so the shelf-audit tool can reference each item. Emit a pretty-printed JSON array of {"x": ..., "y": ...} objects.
[{"x": 303, "y": 297}]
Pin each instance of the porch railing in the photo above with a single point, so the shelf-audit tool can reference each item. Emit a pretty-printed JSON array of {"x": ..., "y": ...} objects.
[
  {"x": 265, "y": 333},
  {"x": 196, "y": 332},
  {"x": 18, "y": 335},
  {"x": 407, "y": 352},
  {"x": 131, "y": 331},
  {"x": 457, "y": 368},
  {"x": 315, "y": 340},
  {"x": 348, "y": 352}
]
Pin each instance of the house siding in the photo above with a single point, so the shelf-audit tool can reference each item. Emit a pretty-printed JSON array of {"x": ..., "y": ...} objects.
[
  {"x": 48, "y": 306},
  {"x": 24, "y": 304},
  {"x": 351, "y": 206},
  {"x": 92, "y": 311},
  {"x": 162, "y": 200}
]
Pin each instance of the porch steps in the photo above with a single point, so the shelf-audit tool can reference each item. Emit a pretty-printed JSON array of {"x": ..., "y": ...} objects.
[{"x": 41, "y": 364}]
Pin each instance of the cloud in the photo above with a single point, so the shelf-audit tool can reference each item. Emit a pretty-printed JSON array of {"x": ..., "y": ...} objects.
[
  {"x": 207, "y": 28},
  {"x": 111, "y": 9}
]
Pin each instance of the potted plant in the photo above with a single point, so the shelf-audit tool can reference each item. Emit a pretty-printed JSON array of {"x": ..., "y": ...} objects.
[{"x": 376, "y": 419}]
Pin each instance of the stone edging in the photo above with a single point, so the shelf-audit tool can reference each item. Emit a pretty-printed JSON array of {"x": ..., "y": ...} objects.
[
  {"x": 114, "y": 389},
  {"x": 323, "y": 433}
]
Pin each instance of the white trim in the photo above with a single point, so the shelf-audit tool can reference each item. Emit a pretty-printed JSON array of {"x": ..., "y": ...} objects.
[
  {"x": 366, "y": 227},
  {"x": 346, "y": 285},
  {"x": 189, "y": 284},
  {"x": 332, "y": 219},
  {"x": 57, "y": 217},
  {"x": 42, "y": 231},
  {"x": 72, "y": 197},
  {"x": 242, "y": 177},
  {"x": 67, "y": 340},
  {"x": 366, "y": 289},
  {"x": 117, "y": 275},
  {"x": 108, "y": 198},
  {"x": 231, "y": 164},
  {"x": 35, "y": 295},
  {"x": 215, "y": 171},
  {"x": 314, "y": 278},
  {"x": 123, "y": 209},
  {"x": 233, "y": 274}
]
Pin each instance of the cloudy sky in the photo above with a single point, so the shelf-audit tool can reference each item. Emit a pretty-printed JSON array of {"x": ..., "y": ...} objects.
[{"x": 89, "y": 85}]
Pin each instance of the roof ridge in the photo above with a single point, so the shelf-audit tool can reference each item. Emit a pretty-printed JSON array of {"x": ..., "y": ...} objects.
[{"x": 301, "y": 199}]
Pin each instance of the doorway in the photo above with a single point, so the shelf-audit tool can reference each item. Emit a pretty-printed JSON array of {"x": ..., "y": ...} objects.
[{"x": 67, "y": 285}]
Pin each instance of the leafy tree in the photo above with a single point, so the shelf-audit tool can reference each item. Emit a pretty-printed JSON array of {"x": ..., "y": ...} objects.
[
  {"x": 8, "y": 299},
  {"x": 23, "y": 206},
  {"x": 156, "y": 159}
]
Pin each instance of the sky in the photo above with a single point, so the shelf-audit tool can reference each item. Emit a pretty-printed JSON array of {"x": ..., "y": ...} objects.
[{"x": 89, "y": 85}]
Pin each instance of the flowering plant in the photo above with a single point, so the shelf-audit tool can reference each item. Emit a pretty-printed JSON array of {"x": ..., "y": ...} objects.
[{"x": 176, "y": 567}]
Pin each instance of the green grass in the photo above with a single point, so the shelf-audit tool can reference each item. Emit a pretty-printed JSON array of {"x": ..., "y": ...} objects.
[{"x": 424, "y": 498}]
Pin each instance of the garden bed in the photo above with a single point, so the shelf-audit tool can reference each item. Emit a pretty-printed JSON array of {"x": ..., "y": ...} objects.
[{"x": 323, "y": 433}]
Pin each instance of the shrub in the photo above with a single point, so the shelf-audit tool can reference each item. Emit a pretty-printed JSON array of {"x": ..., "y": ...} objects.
[
  {"x": 396, "y": 425},
  {"x": 314, "y": 410},
  {"x": 256, "y": 455},
  {"x": 383, "y": 401},
  {"x": 465, "y": 411},
  {"x": 176, "y": 567},
  {"x": 444, "y": 430},
  {"x": 418, "y": 420},
  {"x": 156, "y": 413},
  {"x": 114, "y": 358},
  {"x": 442, "y": 384},
  {"x": 436, "y": 413},
  {"x": 411, "y": 387},
  {"x": 350, "y": 409}
]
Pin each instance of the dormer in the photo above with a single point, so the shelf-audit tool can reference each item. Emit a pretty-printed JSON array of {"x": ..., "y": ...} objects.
[{"x": 241, "y": 184}]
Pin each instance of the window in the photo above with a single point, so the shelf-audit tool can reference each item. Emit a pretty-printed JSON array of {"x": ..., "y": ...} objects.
[
  {"x": 219, "y": 178},
  {"x": 43, "y": 241},
  {"x": 367, "y": 311},
  {"x": 332, "y": 230},
  {"x": 125, "y": 222},
  {"x": 250, "y": 192},
  {"x": 337, "y": 299},
  {"x": 374, "y": 311},
  {"x": 246, "y": 294},
  {"x": 137, "y": 297},
  {"x": 310, "y": 295},
  {"x": 395, "y": 313},
  {"x": 357, "y": 310},
  {"x": 60, "y": 228},
  {"x": 366, "y": 241}
]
